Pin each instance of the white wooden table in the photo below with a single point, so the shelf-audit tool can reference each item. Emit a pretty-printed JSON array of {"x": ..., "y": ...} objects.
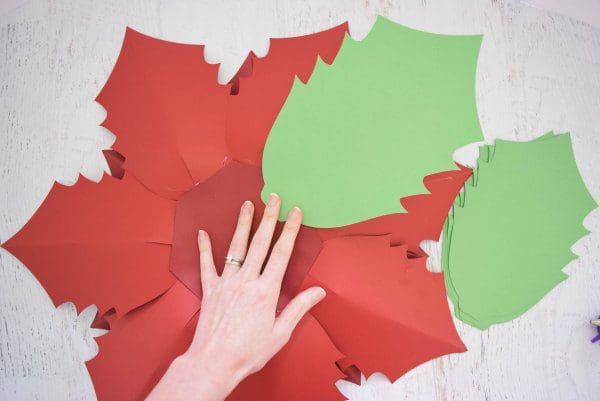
[{"x": 538, "y": 71}]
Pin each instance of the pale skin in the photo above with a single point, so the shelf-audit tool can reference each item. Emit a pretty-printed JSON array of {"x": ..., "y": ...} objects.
[{"x": 238, "y": 331}]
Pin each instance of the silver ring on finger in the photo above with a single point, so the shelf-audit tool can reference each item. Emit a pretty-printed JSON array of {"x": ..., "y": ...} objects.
[{"x": 233, "y": 261}]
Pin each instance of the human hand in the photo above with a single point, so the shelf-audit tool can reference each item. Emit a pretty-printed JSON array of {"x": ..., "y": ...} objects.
[{"x": 238, "y": 331}]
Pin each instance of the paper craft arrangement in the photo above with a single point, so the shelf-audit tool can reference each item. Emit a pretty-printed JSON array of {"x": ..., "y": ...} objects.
[{"x": 364, "y": 146}]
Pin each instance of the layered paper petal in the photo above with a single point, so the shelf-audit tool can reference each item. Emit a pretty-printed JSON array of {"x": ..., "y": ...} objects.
[
  {"x": 214, "y": 206},
  {"x": 303, "y": 370},
  {"x": 384, "y": 311},
  {"x": 141, "y": 345},
  {"x": 424, "y": 218},
  {"x": 525, "y": 197},
  {"x": 99, "y": 243},
  {"x": 168, "y": 113},
  {"x": 264, "y": 84}
]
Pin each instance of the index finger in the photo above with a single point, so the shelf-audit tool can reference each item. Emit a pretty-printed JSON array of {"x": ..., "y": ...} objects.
[{"x": 282, "y": 250}]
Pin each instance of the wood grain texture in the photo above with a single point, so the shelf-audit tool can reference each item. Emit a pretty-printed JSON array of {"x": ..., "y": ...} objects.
[{"x": 537, "y": 72}]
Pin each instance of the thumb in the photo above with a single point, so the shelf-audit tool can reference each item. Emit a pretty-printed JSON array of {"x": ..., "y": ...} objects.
[{"x": 295, "y": 310}]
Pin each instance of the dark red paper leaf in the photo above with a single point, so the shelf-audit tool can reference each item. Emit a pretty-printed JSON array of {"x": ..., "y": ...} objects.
[
  {"x": 115, "y": 162},
  {"x": 99, "y": 243},
  {"x": 214, "y": 206}
]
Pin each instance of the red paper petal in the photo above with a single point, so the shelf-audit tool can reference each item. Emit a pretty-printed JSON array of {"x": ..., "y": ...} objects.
[
  {"x": 168, "y": 112},
  {"x": 303, "y": 370},
  {"x": 141, "y": 345},
  {"x": 214, "y": 206},
  {"x": 425, "y": 214},
  {"x": 385, "y": 312},
  {"x": 100, "y": 244},
  {"x": 262, "y": 93}
]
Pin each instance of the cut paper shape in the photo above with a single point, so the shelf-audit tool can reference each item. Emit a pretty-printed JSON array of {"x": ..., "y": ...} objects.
[
  {"x": 141, "y": 345},
  {"x": 115, "y": 161},
  {"x": 168, "y": 113},
  {"x": 303, "y": 370},
  {"x": 510, "y": 235},
  {"x": 384, "y": 311},
  {"x": 262, "y": 92},
  {"x": 364, "y": 131},
  {"x": 424, "y": 219},
  {"x": 214, "y": 206},
  {"x": 99, "y": 243}
]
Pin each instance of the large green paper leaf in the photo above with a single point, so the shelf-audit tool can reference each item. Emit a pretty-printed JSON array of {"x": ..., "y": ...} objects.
[
  {"x": 510, "y": 233},
  {"x": 365, "y": 131}
]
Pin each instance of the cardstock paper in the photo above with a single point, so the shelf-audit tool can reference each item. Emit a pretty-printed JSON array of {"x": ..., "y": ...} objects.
[
  {"x": 362, "y": 134},
  {"x": 263, "y": 90},
  {"x": 168, "y": 113},
  {"x": 424, "y": 217},
  {"x": 214, "y": 206},
  {"x": 384, "y": 311},
  {"x": 115, "y": 161},
  {"x": 510, "y": 237},
  {"x": 100, "y": 243}
]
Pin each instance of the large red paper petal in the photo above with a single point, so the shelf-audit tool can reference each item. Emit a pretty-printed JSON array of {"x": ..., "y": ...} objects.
[
  {"x": 384, "y": 311},
  {"x": 168, "y": 113},
  {"x": 141, "y": 345},
  {"x": 262, "y": 92},
  {"x": 214, "y": 206},
  {"x": 102, "y": 244},
  {"x": 424, "y": 218},
  {"x": 303, "y": 370}
]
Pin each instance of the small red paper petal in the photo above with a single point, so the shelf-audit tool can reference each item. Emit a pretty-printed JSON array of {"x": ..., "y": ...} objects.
[
  {"x": 214, "y": 206},
  {"x": 424, "y": 218},
  {"x": 385, "y": 312},
  {"x": 168, "y": 113},
  {"x": 103, "y": 244},
  {"x": 261, "y": 94},
  {"x": 141, "y": 345},
  {"x": 115, "y": 162},
  {"x": 303, "y": 370}
]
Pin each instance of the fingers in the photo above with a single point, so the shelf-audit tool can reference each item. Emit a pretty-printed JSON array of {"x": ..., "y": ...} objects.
[
  {"x": 295, "y": 310},
  {"x": 282, "y": 251},
  {"x": 239, "y": 242},
  {"x": 259, "y": 247},
  {"x": 207, "y": 265}
]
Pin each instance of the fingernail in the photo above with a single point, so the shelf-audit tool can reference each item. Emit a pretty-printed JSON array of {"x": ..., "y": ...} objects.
[
  {"x": 246, "y": 205},
  {"x": 201, "y": 234},
  {"x": 319, "y": 293},
  {"x": 273, "y": 200},
  {"x": 295, "y": 210}
]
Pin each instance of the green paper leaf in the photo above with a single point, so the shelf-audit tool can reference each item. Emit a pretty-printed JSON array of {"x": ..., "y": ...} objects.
[
  {"x": 365, "y": 131},
  {"x": 507, "y": 245}
]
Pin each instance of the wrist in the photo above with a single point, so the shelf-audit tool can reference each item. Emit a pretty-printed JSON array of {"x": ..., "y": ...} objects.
[{"x": 209, "y": 377}]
